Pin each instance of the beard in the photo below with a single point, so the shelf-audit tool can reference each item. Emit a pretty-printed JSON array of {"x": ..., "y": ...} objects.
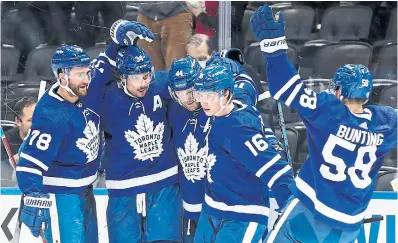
[{"x": 80, "y": 91}]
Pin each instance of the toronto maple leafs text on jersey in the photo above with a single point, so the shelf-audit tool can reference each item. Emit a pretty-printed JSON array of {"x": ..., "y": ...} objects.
[
  {"x": 243, "y": 167},
  {"x": 140, "y": 155},
  {"x": 60, "y": 154},
  {"x": 346, "y": 150},
  {"x": 189, "y": 140}
]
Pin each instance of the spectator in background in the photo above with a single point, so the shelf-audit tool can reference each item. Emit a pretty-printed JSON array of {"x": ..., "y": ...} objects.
[
  {"x": 206, "y": 13},
  {"x": 24, "y": 111},
  {"x": 171, "y": 23},
  {"x": 201, "y": 48}
]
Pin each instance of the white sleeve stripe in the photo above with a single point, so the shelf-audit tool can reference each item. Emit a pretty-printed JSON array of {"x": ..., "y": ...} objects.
[
  {"x": 268, "y": 130},
  {"x": 324, "y": 209},
  {"x": 34, "y": 161},
  {"x": 293, "y": 94},
  {"x": 261, "y": 171},
  {"x": 286, "y": 86},
  {"x": 29, "y": 170},
  {"x": 277, "y": 175},
  {"x": 112, "y": 62},
  {"x": 270, "y": 136}
]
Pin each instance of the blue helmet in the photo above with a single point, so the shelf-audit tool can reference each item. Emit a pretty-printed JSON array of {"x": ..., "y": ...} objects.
[
  {"x": 133, "y": 60},
  {"x": 233, "y": 66},
  {"x": 215, "y": 78},
  {"x": 354, "y": 80},
  {"x": 183, "y": 73},
  {"x": 67, "y": 57}
]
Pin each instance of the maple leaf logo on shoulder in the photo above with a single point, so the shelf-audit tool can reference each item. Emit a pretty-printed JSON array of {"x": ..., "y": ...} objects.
[
  {"x": 90, "y": 144},
  {"x": 147, "y": 140},
  {"x": 192, "y": 159}
]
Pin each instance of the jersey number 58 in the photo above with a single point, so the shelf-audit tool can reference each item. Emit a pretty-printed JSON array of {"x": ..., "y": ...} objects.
[{"x": 341, "y": 166}]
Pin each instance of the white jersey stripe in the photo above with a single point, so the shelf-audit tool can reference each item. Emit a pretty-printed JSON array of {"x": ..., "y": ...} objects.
[
  {"x": 66, "y": 182},
  {"x": 193, "y": 208},
  {"x": 34, "y": 161},
  {"x": 324, "y": 209},
  {"x": 29, "y": 170},
  {"x": 250, "y": 231},
  {"x": 293, "y": 94},
  {"x": 143, "y": 180},
  {"x": 282, "y": 220},
  {"x": 286, "y": 86},
  {"x": 247, "y": 209},
  {"x": 261, "y": 171},
  {"x": 277, "y": 175}
]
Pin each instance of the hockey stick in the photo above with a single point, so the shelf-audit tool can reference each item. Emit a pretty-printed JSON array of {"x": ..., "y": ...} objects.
[
  {"x": 283, "y": 132},
  {"x": 373, "y": 219}
]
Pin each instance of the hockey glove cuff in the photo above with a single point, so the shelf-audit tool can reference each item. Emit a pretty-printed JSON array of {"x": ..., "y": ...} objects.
[{"x": 35, "y": 212}]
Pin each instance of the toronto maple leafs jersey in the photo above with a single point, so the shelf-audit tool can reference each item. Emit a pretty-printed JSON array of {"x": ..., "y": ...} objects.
[
  {"x": 189, "y": 141},
  {"x": 346, "y": 149},
  {"x": 245, "y": 90},
  {"x": 242, "y": 166},
  {"x": 60, "y": 154},
  {"x": 140, "y": 155}
]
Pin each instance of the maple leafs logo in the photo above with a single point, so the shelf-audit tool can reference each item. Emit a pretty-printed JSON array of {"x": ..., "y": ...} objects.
[
  {"x": 147, "y": 140},
  {"x": 90, "y": 144},
  {"x": 193, "y": 161}
]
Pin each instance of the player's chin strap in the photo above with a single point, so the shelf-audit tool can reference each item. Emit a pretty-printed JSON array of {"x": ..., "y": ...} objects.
[
  {"x": 222, "y": 107},
  {"x": 141, "y": 204},
  {"x": 124, "y": 85},
  {"x": 66, "y": 87}
]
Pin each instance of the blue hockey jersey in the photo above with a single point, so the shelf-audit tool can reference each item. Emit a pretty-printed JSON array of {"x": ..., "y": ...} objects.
[
  {"x": 346, "y": 149},
  {"x": 245, "y": 90},
  {"x": 60, "y": 154},
  {"x": 140, "y": 155},
  {"x": 242, "y": 166},
  {"x": 189, "y": 141}
]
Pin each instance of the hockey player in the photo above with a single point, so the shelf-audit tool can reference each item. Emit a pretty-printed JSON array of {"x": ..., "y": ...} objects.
[
  {"x": 59, "y": 155},
  {"x": 346, "y": 139},
  {"x": 245, "y": 89},
  {"x": 241, "y": 164},
  {"x": 188, "y": 122},
  {"x": 141, "y": 164}
]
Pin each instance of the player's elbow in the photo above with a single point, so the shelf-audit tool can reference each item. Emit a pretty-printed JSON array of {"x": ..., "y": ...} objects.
[{"x": 28, "y": 182}]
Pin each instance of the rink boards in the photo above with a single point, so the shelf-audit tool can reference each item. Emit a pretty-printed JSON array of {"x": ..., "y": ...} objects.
[{"x": 382, "y": 203}]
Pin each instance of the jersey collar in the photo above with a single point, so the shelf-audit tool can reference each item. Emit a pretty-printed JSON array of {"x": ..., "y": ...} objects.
[{"x": 366, "y": 114}]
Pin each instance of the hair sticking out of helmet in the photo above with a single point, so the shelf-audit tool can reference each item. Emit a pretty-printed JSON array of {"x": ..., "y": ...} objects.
[
  {"x": 133, "y": 60},
  {"x": 65, "y": 58},
  {"x": 354, "y": 80}
]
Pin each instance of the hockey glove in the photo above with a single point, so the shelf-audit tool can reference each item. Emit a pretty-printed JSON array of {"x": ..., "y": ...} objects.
[
  {"x": 126, "y": 33},
  {"x": 270, "y": 33},
  {"x": 35, "y": 212}
]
